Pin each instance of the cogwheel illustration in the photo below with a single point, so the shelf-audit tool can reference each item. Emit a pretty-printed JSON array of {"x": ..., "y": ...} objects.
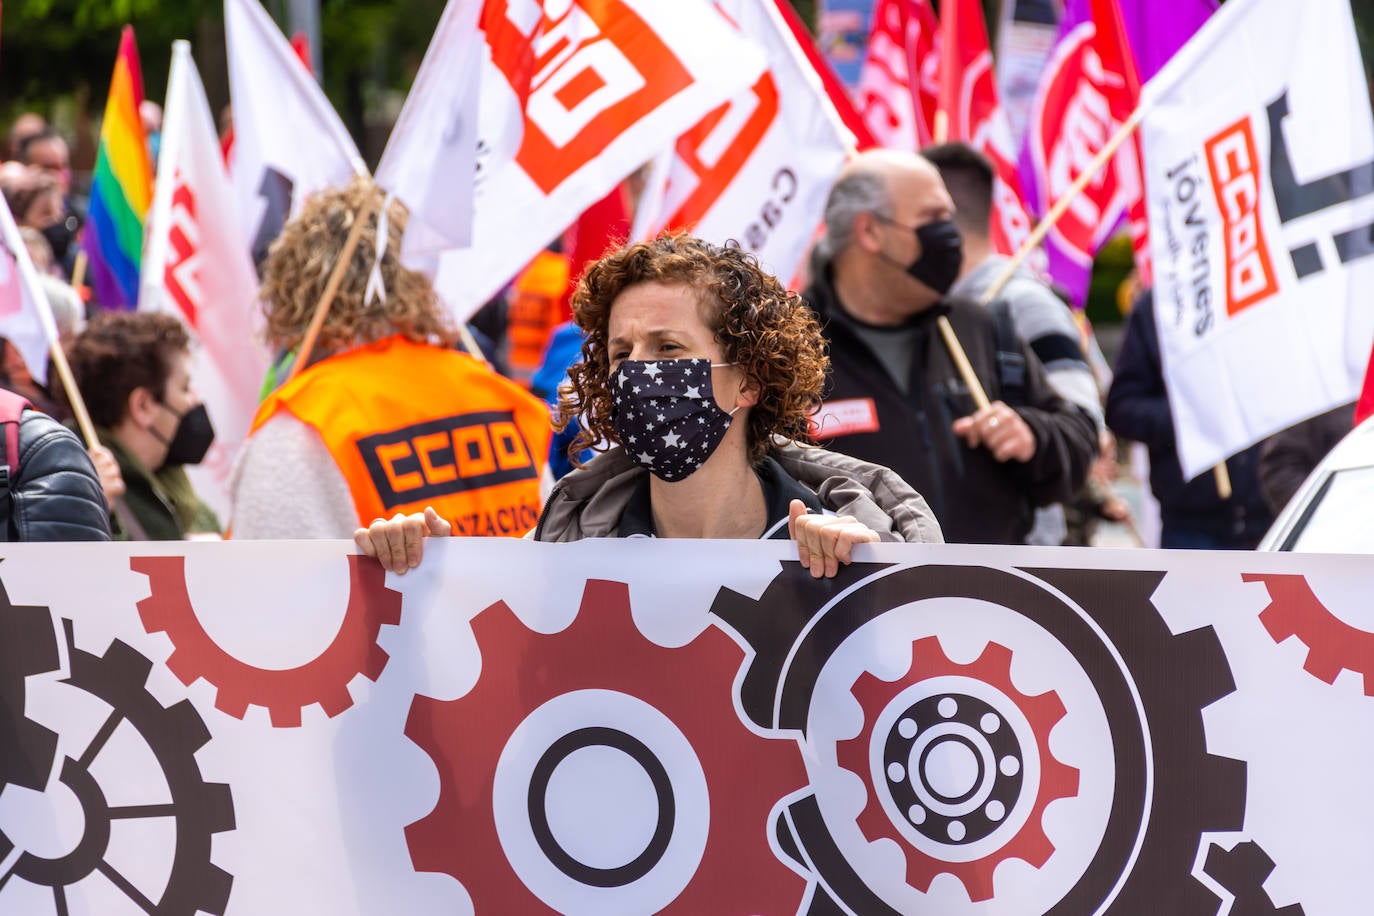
[
  {"x": 979, "y": 733},
  {"x": 1167, "y": 790},
  {"x": 198, "y": 809},
  {"x": 602, "y": 649},
  {"x": 1332, "y": 644},
  {"x": 28, "y": 645},
  {"x": 1243, "y": 871},
  {"x": 284, "y": 693}
]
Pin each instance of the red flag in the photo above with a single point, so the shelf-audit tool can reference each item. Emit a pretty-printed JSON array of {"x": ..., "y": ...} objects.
[
  {"x": 1364, "y": 407},
  {"x": 1089, "y": 90},
  {"x": 1114, "y": 47},
  {"x": 968, "y": 96},
  {"x": 898, "y": 90}
]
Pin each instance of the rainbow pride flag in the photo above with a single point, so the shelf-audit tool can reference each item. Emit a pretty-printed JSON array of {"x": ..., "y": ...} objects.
[{"x": 122, "y": 190}]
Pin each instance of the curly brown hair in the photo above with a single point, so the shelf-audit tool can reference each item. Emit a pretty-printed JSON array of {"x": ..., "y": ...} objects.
[
  {"x": 303, "y": 256},
  {"x": 763, "y": 328},
  {"x": 121, "y": 351}
]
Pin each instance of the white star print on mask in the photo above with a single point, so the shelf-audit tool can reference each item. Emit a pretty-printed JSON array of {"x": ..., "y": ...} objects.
[{"x": 690, "y": 424}]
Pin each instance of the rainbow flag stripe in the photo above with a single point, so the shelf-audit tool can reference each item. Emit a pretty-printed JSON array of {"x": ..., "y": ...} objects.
[{"x": 122, "y": 190}]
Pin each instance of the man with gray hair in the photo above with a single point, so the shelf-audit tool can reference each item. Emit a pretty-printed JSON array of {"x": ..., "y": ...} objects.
[{"x": 896, "y": 398}]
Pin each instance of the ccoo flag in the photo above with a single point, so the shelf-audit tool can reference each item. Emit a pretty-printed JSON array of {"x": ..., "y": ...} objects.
[
  {"x": 1259, "y": 161},
  {"x": 122, "y": 188},
  {"x": 198, "y": 269},
  {"x": 757, "y": 169},
  {"x": 577, "y": 94}
]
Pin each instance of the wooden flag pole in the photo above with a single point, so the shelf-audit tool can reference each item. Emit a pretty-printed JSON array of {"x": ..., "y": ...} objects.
[
  {"x": 331, "y": 287},
  {"x": 956, "y": 351},
  {"x": 79, "y": 272},
  {"x": 1223, "y": 480},
  {"x": 78, "y": 403}
]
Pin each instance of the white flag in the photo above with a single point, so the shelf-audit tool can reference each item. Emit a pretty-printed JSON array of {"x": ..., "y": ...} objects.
[
  {"x": 25, "y": 316},
  {"x": 757, "y": 169},
  {"x": 431, "y": 159},
  {"x": 1259, "y": 154},
  {"x": 197, "y": 268},
  {"x": 576, "y": 95},
  {"x": 288, "y": 140}
]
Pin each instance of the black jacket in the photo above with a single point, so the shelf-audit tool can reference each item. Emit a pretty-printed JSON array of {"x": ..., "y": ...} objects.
[
  {"x": 55, "y": 494},
  {"x": 977, "y": 499},
  {"x": 1138, "y": 409}
]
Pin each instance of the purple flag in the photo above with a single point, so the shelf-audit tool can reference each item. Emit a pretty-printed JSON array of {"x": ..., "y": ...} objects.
[{"x": 1065, "y": 131}]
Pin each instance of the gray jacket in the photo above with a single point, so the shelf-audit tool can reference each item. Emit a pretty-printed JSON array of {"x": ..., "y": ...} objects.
[{"x": 589, "y": 501}]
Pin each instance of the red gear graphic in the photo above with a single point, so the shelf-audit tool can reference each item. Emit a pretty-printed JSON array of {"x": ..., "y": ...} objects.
[
  {"x": 1332, "y": 644},
  {"x": 602, "y": 649},
  {"x": 284, "y": 693},
  {"x": 1057, "y": 779}
]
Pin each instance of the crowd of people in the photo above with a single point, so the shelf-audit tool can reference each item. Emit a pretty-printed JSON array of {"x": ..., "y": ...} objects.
[{"x": 690, "y": 395}]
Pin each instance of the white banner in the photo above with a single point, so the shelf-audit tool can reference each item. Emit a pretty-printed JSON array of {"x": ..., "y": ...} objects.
[
  {"x": 431, "y": 158},
  {"x": 1259, "y": 159},
  {"x": 196, "y": 267},
  {"x": 576, "y": 95},
  {"x": 288, "y": 140},
  {"x": 25, "y": 316},
  {"x": 688, "y": 727},
  {"x": 756, "y": 170}
]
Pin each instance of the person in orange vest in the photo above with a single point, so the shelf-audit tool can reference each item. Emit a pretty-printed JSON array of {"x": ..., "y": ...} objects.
[{"x": 388, "y": 417}]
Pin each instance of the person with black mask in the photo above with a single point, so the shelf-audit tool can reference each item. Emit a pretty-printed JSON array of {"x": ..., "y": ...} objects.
[
  {"x": 134, "y": 372},
  {"x": 698, "y": 376},
  {"x": 881, "y": 279}
]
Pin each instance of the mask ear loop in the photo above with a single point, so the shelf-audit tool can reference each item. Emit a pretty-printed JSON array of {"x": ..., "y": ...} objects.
[{"x": 376, "y": 286}]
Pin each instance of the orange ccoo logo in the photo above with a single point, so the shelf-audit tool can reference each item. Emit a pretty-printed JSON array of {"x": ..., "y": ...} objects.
[{"x": 1236, "y": 181}]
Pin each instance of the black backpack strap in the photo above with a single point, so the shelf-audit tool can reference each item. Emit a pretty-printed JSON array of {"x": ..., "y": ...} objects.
[{"x": 1011, "y": 364}]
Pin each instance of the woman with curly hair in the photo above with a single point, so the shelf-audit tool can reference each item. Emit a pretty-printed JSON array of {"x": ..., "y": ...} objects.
[
  {"x": 698, "y": 378},
  {"x": 387, "y": 417}
]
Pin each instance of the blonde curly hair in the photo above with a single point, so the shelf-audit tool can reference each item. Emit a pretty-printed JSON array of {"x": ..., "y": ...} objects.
[
  {"x": 301, "y": 259},
  {"x": 763, "y": 328}
]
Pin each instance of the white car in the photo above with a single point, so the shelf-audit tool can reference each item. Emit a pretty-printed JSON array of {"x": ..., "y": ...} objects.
[{"x": 1333, "y": 510}]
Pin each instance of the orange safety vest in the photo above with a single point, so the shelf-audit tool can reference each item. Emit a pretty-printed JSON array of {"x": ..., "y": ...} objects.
[
  {"x": 412, "y": 425},
  {"x": 534, "y": 310}
]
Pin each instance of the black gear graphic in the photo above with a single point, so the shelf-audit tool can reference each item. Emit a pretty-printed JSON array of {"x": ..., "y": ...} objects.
[
  {"x": 797, "y": 624},
  {"x": 200, "y": 809},
  {"x": 28, "y": 645},
  {"x": 1243, "y": 871}
]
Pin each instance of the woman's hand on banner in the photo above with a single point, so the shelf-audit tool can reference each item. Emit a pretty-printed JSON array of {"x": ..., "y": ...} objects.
[
  {"x": 825, "y": 541},
  {"x": 398, "y": 543}
]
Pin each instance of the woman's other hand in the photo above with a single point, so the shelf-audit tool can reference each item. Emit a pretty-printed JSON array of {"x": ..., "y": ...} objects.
[{"x": 825, "y": 541}]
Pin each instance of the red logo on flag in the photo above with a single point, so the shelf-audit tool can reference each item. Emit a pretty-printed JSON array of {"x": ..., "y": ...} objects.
[
  {"x": 1235, "y": 167},
  {"x": 717, "y": 148},
  {"x": 183, "y": 259},
  {"x": 1078, "y": 117},
  {"x": 583, "y": 77}
]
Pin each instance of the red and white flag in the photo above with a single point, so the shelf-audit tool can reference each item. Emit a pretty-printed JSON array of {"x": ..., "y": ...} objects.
[
  {"x": 758, "y": 168},
  {"x": 431, "y": 159},
  {"x": 576, "y": 94},
  {"x": 196, "y": 267},
  {"x": 1090, "y": 89},
  {"x": 25, "y": 316},
  {"x": 898, "y": 92},
  {"x": 969, "y": 97},
  {"x": 288, "y": 140},
  {"x": 1259, "y": 168}
]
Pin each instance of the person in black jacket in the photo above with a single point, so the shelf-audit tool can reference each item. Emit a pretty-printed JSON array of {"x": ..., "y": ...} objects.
[
  {"x": 1192, "y": 512},
  {"x": 55, "y": 494},
  {"x": 895, "y": 398}
]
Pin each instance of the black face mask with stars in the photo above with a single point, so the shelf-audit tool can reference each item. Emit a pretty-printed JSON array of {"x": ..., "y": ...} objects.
[{"x": 666, "y": 416}]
